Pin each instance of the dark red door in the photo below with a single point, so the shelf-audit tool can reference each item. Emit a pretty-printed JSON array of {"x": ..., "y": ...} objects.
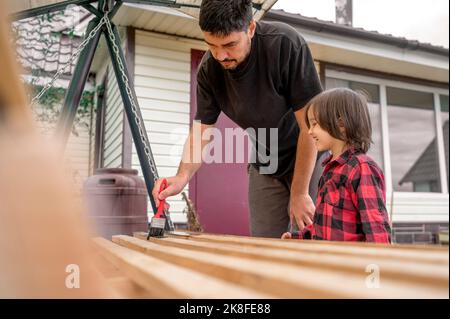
[{"x": 219, "y": 191}]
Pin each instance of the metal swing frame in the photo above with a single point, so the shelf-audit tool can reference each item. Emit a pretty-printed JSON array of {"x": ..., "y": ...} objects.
[
  {"x": 101, "y": 24},
  {"x": 103, "y": 15}
]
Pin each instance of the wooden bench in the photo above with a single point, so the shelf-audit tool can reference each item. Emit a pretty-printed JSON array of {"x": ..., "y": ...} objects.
[{"x": 192, "y": 265}]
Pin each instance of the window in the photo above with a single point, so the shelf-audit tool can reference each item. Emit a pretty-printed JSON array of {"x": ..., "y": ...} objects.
[
  {"x": 445, "y": 120},
  {"x": 413, "y": 142},
  {"x": 372, "y": 92}
]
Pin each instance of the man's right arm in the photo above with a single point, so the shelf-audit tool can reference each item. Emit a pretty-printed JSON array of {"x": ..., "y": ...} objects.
[{"x": 190, "y": 163}]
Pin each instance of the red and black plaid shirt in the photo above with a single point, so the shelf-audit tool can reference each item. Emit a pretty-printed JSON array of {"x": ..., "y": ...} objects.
[{"x": 351, "y": 201}]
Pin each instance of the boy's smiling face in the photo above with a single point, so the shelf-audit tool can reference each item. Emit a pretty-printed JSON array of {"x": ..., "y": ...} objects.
[{"x": 323, "y": 140}]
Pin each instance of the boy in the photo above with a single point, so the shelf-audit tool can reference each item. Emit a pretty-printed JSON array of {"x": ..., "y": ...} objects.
[{"x": 351, "y": 200}]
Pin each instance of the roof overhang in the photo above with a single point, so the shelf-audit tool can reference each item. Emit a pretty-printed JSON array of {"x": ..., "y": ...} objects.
[
  {"x": 383, "y": 58},
  {"x": 179, "y": 18},
  {"x": 189, "y": 7},
  {"x": 347, "y": 46}
]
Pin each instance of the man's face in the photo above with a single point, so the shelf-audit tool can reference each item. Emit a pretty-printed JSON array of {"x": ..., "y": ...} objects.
[{"x": 233, "y": 49}]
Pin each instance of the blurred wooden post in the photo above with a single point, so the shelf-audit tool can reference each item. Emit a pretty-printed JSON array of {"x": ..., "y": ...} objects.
[{"x": 45, "y": 250}]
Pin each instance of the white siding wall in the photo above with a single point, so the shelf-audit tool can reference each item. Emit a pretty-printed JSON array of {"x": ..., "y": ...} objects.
[
  {"x": 92, "y": 140},
  {"x": 77, "y": 155},
  {"x": 162, "y": 81},
  {"x": 113, "y": 124},
  {"x": 112, "y": 146},
  {"x": 77, "y": 151}
]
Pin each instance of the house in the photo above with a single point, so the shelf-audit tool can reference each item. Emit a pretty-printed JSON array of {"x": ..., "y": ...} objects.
[
  {"x": 44, "y": 45},
  {"x": 407, "y": 85},
  {"x": 406, "y": 82},
  {"x": 422, "y": 174}
]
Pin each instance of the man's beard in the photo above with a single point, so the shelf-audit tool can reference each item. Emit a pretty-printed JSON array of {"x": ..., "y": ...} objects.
[
  {"x": 231, "y": 68},
  {"x": 237, "y": 63}
]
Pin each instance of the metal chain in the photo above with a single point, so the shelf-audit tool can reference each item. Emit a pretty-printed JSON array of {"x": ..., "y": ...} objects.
[
  {"x": 72, "y": 59},
  {"x": 134, "y": 107},
  {"x": 105, "y": 21}
]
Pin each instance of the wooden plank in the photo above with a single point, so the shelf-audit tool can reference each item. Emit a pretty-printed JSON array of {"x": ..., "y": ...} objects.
[
  {"x": 286, "y": 281},
  {"x": 428, "y": 254},
  {"x": 122, "y": 286},
  {"x": 321, "y": 242},
  {"x": 432, "y": 256},
  {"x": 397, "y": 269},
  {"x": 165, "y": 280}
]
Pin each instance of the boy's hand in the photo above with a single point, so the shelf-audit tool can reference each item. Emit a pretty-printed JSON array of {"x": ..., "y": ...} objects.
[
  {"x": 286, "y": 236},
  {"x": 302, "y": 208}
]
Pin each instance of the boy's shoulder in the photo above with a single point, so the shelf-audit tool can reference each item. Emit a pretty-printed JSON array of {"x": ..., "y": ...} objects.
[
  {"x": 360, "y": 158},
  {"x": 363, "y": 169},
  {"x": 361, "y": 161}
]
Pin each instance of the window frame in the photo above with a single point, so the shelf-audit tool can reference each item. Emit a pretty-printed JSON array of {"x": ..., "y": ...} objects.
[{"x": 383, "y": 84}]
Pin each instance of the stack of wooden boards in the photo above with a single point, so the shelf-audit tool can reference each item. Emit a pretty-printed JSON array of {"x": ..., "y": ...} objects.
[{"x": 216, "y": 266}]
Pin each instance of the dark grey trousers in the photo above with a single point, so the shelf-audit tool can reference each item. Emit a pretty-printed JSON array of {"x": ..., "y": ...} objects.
[{"x": 269, "y": 200}]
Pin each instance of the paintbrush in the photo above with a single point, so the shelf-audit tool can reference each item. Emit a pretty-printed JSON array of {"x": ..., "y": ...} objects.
[{"x": 158, "y": 223}]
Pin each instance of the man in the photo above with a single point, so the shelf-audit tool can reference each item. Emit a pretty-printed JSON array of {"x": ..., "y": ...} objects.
[{"x": 261, "y": 75}]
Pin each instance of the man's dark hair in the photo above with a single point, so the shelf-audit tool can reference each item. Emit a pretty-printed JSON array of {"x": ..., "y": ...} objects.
[
  {"x": 347, "y": 108},
  {"x": 222, "y": 17}
]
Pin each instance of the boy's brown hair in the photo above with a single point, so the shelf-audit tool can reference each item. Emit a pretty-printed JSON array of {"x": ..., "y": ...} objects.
[{"x": 343, "y": 108}]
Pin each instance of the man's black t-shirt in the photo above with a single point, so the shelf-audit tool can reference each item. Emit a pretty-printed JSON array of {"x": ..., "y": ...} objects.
[{"x": 277, "y": 79}]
